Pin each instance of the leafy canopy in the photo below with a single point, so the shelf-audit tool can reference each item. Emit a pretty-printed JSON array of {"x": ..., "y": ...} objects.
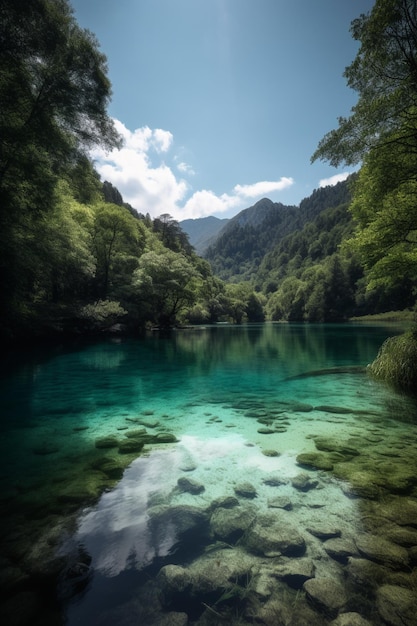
[{"x": 384, "y": 74}]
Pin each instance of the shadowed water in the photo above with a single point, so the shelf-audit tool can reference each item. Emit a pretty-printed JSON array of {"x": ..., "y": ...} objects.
[{"x": 92, "y": 530}]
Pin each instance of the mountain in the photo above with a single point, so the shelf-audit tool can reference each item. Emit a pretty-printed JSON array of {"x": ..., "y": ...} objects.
[
  {"x": 240, "y": 247},
  {"x": 202, "y": 231}
]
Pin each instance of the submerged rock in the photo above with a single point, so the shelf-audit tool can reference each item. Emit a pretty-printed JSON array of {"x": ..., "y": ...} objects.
[
  {"x": 271, "y": 453},
  {"x": 107, "y": 442},
  {"x": 328, "y": 444},
  {"x": 350, "y": 619},
  {"x": 177, "y": 522},
  {"x": 303, "y": 482},
  {"x": 397, "y": 605},
  {"x": 315, "y": 460},
  {"x": 340, "y": 549},
  {"x": 231, "y": 524},
  {"x": 130, "y": 446},
  {"x": 164, "y": 438},
  {"x": 324, "y": 531},
  {"x": 326, "y": 594},
  {"x": 274, "y": 480},
  {"x": 328, "y": 408},
  {"x": 295, "y": 572},
  {"x": 382, "y": 551},
  {"x": 246, "y": 490},
  {"x": 190, "y": 486},
  {"x": 272, "y": 535},
  {"x": 225, "y": 502},
  {"x": 280, "y": 502}
]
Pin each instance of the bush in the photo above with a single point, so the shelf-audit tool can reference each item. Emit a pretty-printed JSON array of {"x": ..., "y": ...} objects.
[{"x": 396, "y": 362}]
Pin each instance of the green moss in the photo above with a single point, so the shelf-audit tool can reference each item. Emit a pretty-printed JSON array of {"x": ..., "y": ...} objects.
[{"x": 396, "y": 362}]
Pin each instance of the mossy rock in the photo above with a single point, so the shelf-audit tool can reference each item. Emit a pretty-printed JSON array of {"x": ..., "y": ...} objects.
[
  {"x": 272, "y": 453},
  {"x": 315, "y": 460},
  {"x": 109, "y": 466},
  {"x": 130, "y": 446},
  {"x": 107, "y": 442},
  {"x": 138, "y": 433},
  {"x": 164, "y": 438}
]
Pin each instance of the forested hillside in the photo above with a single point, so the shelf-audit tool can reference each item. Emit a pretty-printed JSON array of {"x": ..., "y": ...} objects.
[{"x": 242, "y": 244}]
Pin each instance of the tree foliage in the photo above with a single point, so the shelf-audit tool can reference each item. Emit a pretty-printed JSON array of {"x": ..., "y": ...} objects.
[{"x": 384, "y": 74}]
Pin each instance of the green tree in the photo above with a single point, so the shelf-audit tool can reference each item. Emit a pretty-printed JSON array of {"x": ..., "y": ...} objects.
[
  {"x": 382, "y": 130},
  {"x": 384, "y": 74},
  {"x": 166, "y": 283},
  {"x": 54, "y": 93},
  {"x": 118, "y": 241}
]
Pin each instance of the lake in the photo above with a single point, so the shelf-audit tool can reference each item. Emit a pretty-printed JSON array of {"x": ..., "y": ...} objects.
[{"x": 225, "y": 474}]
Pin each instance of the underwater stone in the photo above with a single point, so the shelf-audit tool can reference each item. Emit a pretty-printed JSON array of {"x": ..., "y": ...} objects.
[
  {"x": 164, "y": 438},
  {"x": 315, "y": 460},
  {"x": 328, "y": 408},
  {"x": 107, "y": 442},
  {"x": 382, "y": 551},
  {"x": 295, "y": 572},
  {"x": 397, "y": 605},
  {"x": 230, "y": 524},
  {"x": 225, "y": 502},
  {"x": 246, "y": 490},
  {"x": 174, "y": 580},
  {"x": 365, "y": 573},
  {"x": 138, "y": 433},
  {"x": 350, "y": 619},
  {"x": 327, "y": 444},
  {"x": 181, "y": 518},
  {"x": 190, "y": 486},
  {"x": 401, "y": 511},
  {"x": 108, "y": 466},
  {"x": 303, "y": 482},
  {"x": 265, "y": 431},
  {"x": 221, "y": 571},
  {"x": 149, "y": 423},
  {"x": 340, "y": 549},
  {"x": 327, "y": 594},
  {"x": 130, "y": 446},
  {"x": 301, "y": 407},
  {"x": 280, "y": 502},
  {"x": 280, "y": 429},
  {"x": 361, "y": 483},
  {"x": 274, "y": 480},
  {"x": 272, "y": 535},
  {"x": 271, "y": 453},
  {"x": 324, "y": 532}
]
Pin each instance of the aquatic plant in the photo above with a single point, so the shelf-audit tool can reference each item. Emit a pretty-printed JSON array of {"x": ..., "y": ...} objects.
[{"x": 396, "y": 362}]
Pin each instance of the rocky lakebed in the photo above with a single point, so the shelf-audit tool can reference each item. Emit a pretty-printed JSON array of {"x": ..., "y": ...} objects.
[{"x": 306, "y": 516}]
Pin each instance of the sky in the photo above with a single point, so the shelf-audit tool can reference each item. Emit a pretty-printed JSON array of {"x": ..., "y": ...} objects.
[{"x": 222, "y": 102}]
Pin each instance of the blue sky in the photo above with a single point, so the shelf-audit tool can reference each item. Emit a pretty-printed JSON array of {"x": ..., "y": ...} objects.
[{"x": 222, "y": 102}]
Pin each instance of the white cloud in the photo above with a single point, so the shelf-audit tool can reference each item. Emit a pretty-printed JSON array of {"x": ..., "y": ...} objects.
[
  {"x": 333, "y": 180},
  {"x": 185, "y": 168},
  {"x": 263, "y": 187},
  {"x": 151, "y": 186}
]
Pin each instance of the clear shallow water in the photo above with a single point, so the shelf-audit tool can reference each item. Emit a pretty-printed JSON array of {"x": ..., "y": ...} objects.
[{"x": 214, "y": 389}]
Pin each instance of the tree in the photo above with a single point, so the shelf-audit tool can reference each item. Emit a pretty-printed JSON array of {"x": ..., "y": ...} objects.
[
  {"x": 166, "y": 284},
  {"x": 54, "y": 93},
  {"x": 382, "y": 131},
  {"x": 118, "y": 241},
  {"x": 384, "y": 74},
  {"x": 385, "y": 210}
]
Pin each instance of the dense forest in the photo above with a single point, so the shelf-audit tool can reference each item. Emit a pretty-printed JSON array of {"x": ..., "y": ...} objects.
[{"x": 75, "y": 258}]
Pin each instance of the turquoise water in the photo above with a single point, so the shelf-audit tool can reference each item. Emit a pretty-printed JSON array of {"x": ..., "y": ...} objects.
[{"x": 242, "y": 404}]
